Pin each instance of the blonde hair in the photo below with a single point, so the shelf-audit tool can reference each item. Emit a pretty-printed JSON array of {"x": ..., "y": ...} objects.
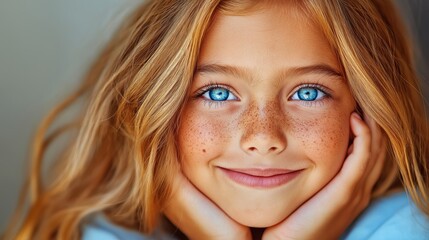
[
  {"x": 124, "y": 156},
  {"x": 371, "y": 43}
]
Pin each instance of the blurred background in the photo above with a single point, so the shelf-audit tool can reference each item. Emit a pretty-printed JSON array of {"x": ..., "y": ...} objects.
[{"x": 46, "y": 46}]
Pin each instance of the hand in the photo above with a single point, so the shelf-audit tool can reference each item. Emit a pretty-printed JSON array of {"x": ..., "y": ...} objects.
[
  {"x": 199, "y": 218},
  {"x": 330, "y": 211}
]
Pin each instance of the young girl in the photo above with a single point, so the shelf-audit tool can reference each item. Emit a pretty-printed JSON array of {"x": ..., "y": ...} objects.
[{"x": 242, "y": 119}]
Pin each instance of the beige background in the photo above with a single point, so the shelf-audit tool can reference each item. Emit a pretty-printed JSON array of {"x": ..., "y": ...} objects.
[{"x": 45, "y": 45}]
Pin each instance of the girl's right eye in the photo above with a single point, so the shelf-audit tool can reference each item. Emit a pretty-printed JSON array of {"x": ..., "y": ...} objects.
[{"x": 218, "y": 94}]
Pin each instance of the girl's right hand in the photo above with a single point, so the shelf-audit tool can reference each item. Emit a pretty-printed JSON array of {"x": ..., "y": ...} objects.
[{"x": 198, "y": 217}]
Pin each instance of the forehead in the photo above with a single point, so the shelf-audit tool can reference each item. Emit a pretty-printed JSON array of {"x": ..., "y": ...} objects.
[{"x": 268, "y": 34}]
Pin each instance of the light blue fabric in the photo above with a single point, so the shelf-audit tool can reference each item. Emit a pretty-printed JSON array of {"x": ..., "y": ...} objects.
[
  {"x": 100, "y": 228},
  {"x": 393, "y": 217}
]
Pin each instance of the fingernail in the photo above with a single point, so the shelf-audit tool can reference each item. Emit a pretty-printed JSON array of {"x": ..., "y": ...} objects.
[{"x": 357, "y": 115}]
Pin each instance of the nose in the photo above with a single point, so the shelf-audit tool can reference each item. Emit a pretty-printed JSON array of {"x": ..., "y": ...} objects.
[{"x": 263, "y": 134}]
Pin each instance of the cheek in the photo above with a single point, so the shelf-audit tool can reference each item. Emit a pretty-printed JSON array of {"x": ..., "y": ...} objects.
[
  {"x": 201, "y": 137},
  {"x": 324, "y": 138}
]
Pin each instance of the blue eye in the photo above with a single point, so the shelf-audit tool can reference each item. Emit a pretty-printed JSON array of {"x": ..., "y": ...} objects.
[
  {"x": 308, "y": 94},
  {"x": 218, "y": 94}
]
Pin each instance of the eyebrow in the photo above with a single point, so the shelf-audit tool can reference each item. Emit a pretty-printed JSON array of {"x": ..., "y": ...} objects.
[{"x": 321, "y": 69}]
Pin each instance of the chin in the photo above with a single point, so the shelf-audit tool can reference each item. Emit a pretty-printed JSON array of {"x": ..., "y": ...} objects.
[{"x": 258, "y": 220}]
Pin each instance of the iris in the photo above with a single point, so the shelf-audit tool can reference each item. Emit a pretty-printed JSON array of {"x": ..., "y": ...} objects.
[
  {"x": 308, "y": 93},
  {"x": 218, "y": 94}
]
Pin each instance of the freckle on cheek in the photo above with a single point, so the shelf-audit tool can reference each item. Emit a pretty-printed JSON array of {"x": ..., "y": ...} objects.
[
  {"x": 193, "y": 135},
  {"x": 320, "y": 135}
]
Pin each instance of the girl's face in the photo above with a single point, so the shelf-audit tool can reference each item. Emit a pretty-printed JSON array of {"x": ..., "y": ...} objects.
[{"x": 267, "y": 122}]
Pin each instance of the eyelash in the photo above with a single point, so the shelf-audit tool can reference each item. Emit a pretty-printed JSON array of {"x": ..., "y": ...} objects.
[
  {"x": 316, "y": 86},
  {"x": 199, "y": 94}
]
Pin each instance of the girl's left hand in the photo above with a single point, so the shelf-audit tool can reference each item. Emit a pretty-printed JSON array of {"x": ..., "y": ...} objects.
[{"x": 330, "y": 211}]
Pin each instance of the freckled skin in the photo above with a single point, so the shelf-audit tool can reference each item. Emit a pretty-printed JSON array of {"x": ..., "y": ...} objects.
[{"x": 264, "y": 127}]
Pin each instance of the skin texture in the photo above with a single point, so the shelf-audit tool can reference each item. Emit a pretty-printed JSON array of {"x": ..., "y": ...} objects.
[
  {"x": 263, "y": 58},
  {"x": 263, "y": 124}
]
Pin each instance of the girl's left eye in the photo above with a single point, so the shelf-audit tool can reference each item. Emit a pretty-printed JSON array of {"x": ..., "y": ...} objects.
[
  {"x": 308, "y": 94},
  {"x": 218, "y": 94}
]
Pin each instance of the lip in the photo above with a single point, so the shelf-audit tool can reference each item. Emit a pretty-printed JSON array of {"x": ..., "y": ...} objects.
[{"x": 260, "y": 178}]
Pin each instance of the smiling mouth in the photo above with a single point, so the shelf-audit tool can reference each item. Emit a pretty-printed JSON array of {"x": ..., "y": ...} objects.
[{"x": 261, "y": 178}]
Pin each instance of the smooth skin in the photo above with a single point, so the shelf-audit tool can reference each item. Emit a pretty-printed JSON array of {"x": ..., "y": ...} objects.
[{"x": 268, "y": 93}]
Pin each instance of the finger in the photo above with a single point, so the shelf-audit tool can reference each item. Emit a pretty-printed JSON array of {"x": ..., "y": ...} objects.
[
  {"x": 375, "y": 174},
  {"x": 190, "y": 211},
  {"x": 376, "y": 139},
  {"x": 378, "y": 153},
  {"x": 355, "y": 165},
  {"x": 184, "y": 207},
  {"x": 375, "y": 129},
  {"x": 350, "y": 149}
]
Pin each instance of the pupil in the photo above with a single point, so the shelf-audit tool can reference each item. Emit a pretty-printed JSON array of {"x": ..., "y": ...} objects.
[
  {"x": 219, "y": 94},
  {"x": 307, "y": 94}
]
